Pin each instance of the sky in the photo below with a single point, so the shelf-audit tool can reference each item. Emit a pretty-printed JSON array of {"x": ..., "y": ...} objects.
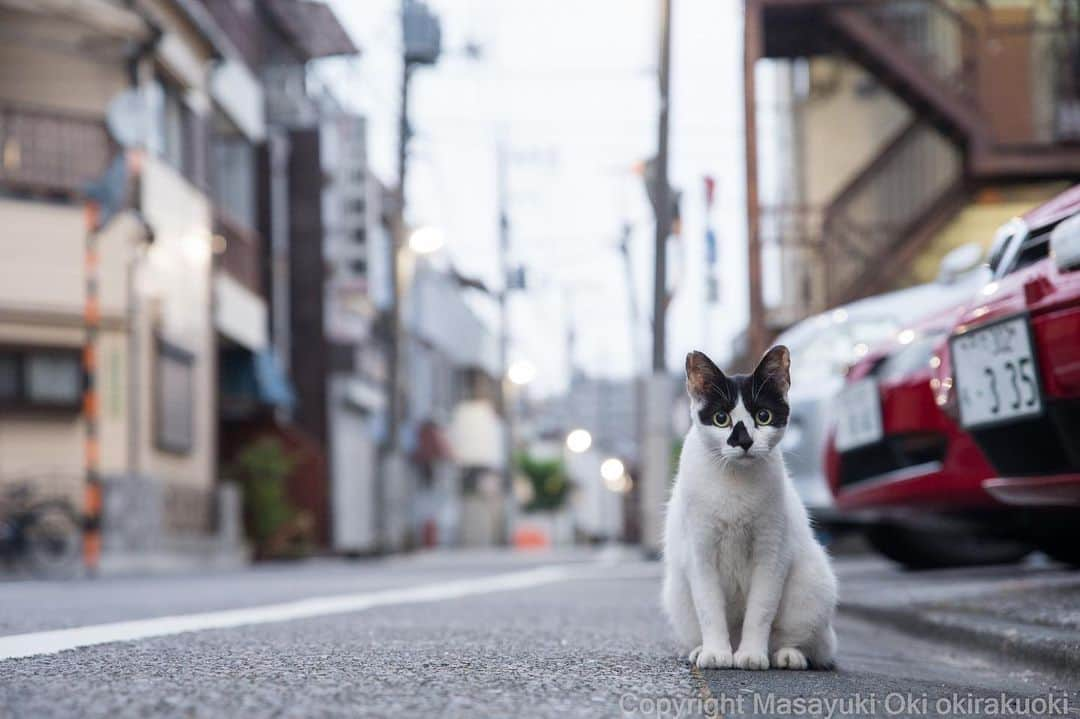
[{"x": 569, "y": 89}]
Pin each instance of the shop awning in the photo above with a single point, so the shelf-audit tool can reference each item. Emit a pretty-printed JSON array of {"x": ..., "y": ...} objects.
[{"x": 255, "y": 376}]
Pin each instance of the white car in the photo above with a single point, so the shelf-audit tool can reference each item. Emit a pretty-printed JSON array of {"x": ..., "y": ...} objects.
[{"x": 824, "y": 346}]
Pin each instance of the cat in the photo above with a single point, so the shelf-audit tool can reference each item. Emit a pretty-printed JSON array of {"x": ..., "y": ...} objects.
[{"x": 742, "y": 568}]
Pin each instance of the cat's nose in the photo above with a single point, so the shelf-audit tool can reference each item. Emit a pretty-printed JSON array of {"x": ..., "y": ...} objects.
[{"x": 740, "y": 437}]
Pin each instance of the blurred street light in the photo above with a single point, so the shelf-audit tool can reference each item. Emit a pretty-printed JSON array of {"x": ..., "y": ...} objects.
[
  {"x": 425, "y": 240},
  {"x": 615, "y": 477},
  {"x": 578, "y": 441},
  {"x": 521, "y": 372},
  {"x": 612, "y": 469}
]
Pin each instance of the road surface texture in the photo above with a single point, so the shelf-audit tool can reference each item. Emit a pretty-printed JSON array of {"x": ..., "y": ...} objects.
[{"x": 483, "y": 634}]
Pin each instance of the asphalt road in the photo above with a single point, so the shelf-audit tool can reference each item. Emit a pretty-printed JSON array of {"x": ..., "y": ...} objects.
[{"x": 584, "y": 640}]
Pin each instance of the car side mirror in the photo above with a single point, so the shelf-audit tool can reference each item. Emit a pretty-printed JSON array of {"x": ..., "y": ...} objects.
[
  {"x": 958, "y": 261},
  {"x": 1065, "y": 244}
]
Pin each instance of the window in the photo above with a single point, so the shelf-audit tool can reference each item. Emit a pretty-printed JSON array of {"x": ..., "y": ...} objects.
[
  {"x": 52, "y": 378},
  {"x": 359, "y": 235},
  {"x": 171, "y": 126},
  {"x": 174, "y": 388},
  {"x": 40, "y": 378},
  {"x": 179, "y": 135},
  {"x": 232, "y": 168},
  {"x": 9, "y": 377}
]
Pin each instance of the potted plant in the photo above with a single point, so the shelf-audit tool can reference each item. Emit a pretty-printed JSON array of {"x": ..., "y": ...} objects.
[{"x": 547, "y": 488}]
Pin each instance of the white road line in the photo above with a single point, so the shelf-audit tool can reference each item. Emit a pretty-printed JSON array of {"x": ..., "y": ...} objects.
[{"x": 50, "y": 642}]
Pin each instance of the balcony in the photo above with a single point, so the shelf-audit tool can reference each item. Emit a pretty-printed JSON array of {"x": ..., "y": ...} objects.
[
  {"x": 239, "y": 251},
  {"x": 46, "y": 152}
]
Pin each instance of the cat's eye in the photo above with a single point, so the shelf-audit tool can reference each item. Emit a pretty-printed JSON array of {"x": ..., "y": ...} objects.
[
  {"x": 763, "y": 416},
  {"x": 721, "y": 419}
]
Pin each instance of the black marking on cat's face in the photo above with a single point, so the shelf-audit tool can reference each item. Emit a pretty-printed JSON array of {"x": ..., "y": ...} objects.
[
  {"x": 740, "y": 437},
  {"x": 763, "y": 393}
]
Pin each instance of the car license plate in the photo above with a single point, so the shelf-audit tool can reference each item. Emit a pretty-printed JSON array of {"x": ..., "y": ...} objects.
[
  {"x": 995, "y": 374},
  {"x": 858, "y": 415}
]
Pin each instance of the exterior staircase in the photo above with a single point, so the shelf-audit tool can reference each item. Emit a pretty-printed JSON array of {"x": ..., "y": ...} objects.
[
  {"x": 994, "y": 96},
  {"x": 891, "y": 209}
]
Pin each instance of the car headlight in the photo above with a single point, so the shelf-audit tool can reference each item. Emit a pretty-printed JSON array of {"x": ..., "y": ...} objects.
[{"x": 915, "y": 355}]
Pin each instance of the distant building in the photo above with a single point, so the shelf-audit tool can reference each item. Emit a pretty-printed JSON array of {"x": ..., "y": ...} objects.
[
  {"x": 356, "y": 247},
  {"x": 452, "y": 435},
  {"x": 607, "y": 408}
]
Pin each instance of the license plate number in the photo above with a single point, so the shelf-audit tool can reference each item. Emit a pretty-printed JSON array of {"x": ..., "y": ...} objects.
[
  {"x": 858, "y": 415},
  {"x": 995, "y": 374}
]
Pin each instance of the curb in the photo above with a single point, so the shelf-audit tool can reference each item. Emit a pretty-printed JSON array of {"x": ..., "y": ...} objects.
[{"x": 1054, "y": 650}]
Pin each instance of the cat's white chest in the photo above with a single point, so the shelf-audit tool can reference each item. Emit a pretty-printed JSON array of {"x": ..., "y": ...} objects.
[
  {"x": 730, "y": 532},
  {"x": 734, "y": 543}
]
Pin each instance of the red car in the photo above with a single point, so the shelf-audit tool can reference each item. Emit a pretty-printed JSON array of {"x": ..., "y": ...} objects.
[
  {"x": 1012, "y": 379},
  {"x": 903, "y": 470},
  {"x": 936, "y": 488}
]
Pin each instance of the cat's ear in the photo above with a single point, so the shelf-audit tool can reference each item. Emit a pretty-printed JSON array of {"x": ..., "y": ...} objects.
[
  {"x": 775, "y": 367},
  {"x": 701, "y": 373}
]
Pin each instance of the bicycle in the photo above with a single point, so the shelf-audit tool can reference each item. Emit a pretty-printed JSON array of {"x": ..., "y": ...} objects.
[{"x": 42, "y": 535}]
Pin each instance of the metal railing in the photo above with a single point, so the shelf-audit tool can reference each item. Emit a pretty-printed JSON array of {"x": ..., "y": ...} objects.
[
  {"x": 50, "y": 151},
  {"x": 792, "y": 241},
  {"x": 1021, "y": 71},
  {"x": 1055, "y": 92},
  {"x": 884, "y": 204},
  {"x": 241, "y": 255},
  {"x": 937, "y": 36}
]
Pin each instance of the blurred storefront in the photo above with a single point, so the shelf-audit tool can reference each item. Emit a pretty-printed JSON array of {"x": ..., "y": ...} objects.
[
  {"x": 284, "y": 217},
  {"x": 453, "y": 434}
]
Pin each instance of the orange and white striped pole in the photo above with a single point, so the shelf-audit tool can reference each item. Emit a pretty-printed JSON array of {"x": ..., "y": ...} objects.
[{"x": 92, "y": 501}]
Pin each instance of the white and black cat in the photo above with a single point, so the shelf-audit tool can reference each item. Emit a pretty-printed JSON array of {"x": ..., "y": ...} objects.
[{"x": 743, "y": 570}]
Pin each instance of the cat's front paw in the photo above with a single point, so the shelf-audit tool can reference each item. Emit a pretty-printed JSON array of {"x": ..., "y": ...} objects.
[
  {"x": 751, "y": 660},
  {"x": 789, "y": 658},
  {"x": 709, "y": 658}
]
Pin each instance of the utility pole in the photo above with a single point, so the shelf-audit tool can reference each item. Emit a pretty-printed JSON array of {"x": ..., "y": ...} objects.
[
  {"x": 656, "y": 430},
  {"x": 421, "y": 41},
  {"x": 757, "y": 333},
  {"x": 663, "y": 196},
  {"x": 505, "y": 401},
  {"x": 397, "y": 241},
  {"x": 632, "y": 299}
]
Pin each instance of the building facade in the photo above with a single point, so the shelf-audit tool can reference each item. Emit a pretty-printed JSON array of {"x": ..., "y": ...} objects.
[{"x": 156, "y": 360}]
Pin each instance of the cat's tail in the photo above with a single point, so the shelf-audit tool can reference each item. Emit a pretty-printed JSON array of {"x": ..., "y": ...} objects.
[{"x": 822, "y": 654}]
